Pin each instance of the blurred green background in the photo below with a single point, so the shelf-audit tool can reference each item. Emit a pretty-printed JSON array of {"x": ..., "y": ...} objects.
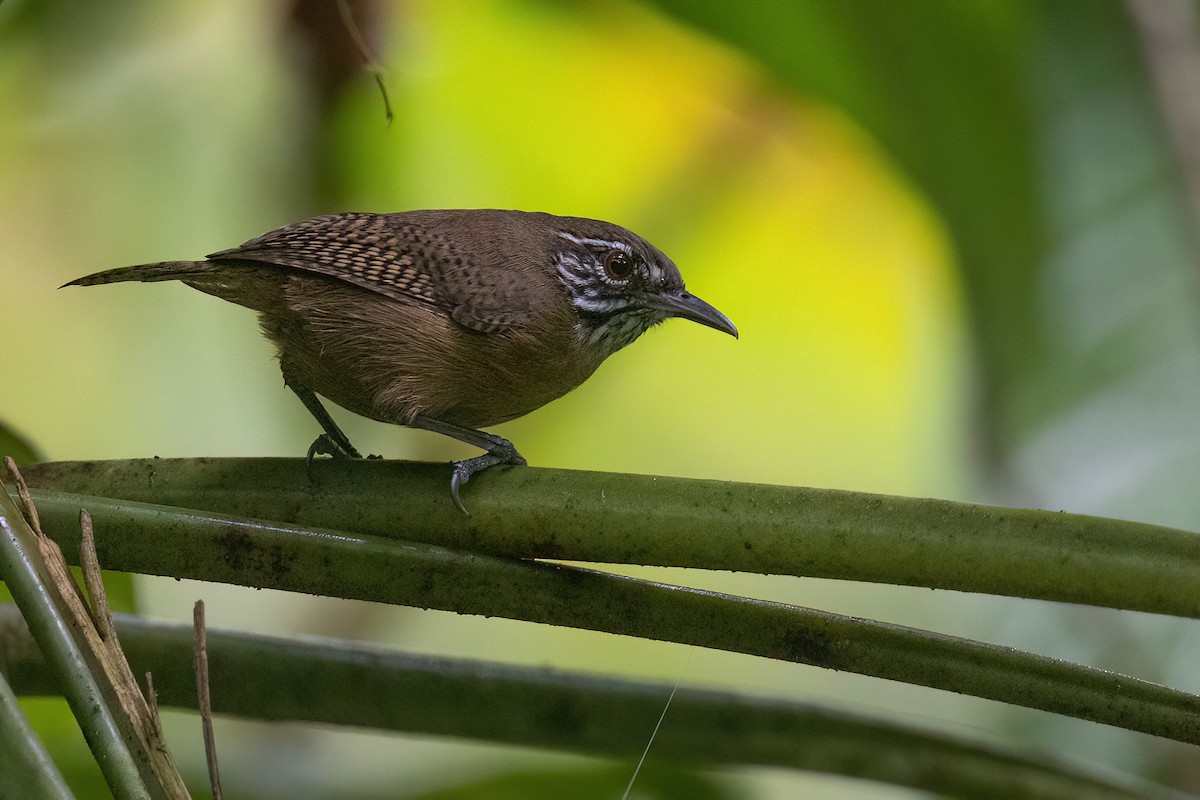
[{"x": 959, "y": 240}]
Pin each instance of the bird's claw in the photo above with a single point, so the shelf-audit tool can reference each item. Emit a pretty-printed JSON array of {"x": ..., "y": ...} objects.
[
  {"x": 463, "y": 470},
  {"x": 324, "y": 445},
  {"x": 457, "y": 479}
]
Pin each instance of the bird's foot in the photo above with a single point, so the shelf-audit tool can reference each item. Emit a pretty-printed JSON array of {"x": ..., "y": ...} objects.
[
  {"x": 325, "y": 445},
  {"x": 502, "y": 453}
]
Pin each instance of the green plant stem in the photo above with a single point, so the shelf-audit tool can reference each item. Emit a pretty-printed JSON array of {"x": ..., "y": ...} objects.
[
  {"x": 28, "y": 768},
  {"x": 20, "y": 558},
  {"x": 339, "y": 683},
  {"x": 189, "y": 544},
  {"x": 636, "y": 519}
]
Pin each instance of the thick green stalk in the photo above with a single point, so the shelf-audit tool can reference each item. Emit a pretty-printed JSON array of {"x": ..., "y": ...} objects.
[
  {"x": 344, "y": 684},
  {"x": 28, "y": 768},
  {"x": 637, "y": 519},
  {"x": 189, "y": 544}
]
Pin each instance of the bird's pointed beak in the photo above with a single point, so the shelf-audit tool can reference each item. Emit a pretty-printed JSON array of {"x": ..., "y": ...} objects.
[{"x": 688, "y": 306}]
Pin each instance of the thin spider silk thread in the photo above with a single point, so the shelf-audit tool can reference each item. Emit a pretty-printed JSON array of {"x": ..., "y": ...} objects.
[{"x": 657, "y": 725}]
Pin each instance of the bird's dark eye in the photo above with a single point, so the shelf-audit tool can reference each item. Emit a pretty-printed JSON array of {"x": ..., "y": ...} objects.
[{"x": 618, "y": 265}]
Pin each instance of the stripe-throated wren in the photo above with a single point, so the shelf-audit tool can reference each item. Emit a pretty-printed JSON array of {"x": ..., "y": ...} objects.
[{"x": 448, "y": 320}]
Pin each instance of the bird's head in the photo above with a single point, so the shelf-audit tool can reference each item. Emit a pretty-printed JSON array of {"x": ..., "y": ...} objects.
[{"x": 621, "y": 285}]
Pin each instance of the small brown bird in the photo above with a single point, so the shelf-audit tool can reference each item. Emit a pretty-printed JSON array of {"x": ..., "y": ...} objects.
[{"x": 445, "y": 320}]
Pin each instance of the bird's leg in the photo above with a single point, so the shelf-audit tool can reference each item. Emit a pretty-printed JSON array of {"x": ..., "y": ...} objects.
[
  {"x": 499, "y": 451},
  {"x": 332, "y": 442}
]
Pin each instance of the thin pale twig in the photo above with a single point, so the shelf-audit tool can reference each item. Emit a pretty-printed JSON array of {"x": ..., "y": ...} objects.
[
  {"x": 200, "y": 661},
  {"x": 31, "y": 514},
  {"x": 152, "y": 703},
  {"x": 92, "y": 581}
]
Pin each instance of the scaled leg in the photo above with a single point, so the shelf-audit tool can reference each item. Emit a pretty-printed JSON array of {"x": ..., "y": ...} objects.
[
  {"x": 499, "y": 451},
  {"x": 332, "y": 442}
]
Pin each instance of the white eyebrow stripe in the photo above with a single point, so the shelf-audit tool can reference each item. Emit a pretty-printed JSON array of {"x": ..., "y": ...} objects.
[{"x": 597, "y": 242}]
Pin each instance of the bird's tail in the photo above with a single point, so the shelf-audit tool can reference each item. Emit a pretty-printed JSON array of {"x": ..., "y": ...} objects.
[{"x": 160, "y": 271}]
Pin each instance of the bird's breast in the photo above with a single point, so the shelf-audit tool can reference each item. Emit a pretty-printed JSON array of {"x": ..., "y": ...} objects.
[
  {"x": 504, "y": 375},
  {"x": 393, "y": 361}
]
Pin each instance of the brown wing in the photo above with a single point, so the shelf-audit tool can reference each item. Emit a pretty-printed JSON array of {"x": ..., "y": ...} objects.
[{"x": 397, "y": 255}]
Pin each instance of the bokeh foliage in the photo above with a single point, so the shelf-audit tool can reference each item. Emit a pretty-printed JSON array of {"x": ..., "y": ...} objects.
[
  {"x": 1033, "y": 129},
  {"x": 952, "y": 234}
]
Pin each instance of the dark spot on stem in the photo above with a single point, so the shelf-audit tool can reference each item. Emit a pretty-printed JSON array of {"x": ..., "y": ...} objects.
[{"x": 807, "y": 646}]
